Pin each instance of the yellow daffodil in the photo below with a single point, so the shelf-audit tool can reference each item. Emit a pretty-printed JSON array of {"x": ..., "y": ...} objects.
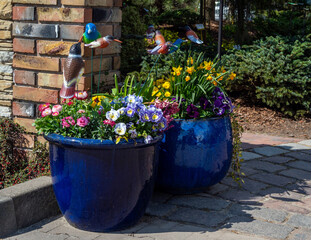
[
  {"x": 190, "y": 60},
  {"x": 177, "y": 71},
  {"x": 219, "y": 79},
  {"x": 187, "y": 78},
  {"x": 166, "y": 85},
  {"x": 208, "y": 65},
  {"x": 190, "y": 70},
  {"x": 209, "y": 77},
  {"x": 223, "y": 69},
  {"x": 215, "y": 83},
  {"x": 201, "y": 66},
  {"x": 167, "y": 94},
  {"x": 232, "y": 76},
  {"x": 159, "y": 94}
]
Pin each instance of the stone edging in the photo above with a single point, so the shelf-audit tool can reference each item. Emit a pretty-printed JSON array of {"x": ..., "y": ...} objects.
[{"x": 25, "y": 204}]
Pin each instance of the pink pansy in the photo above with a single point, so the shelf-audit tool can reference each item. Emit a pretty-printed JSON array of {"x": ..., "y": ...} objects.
[
  {"x": 43, "y": 106},
  {"x": 57, "y": 108},
  {"x": 81, "y": 111},
  {"x": 81, "y": 95},
  {"x": 109, "y": 122},
  {"x": 55, "y": 114},
  {"x": 82, "y": 121},
  {"x": 46, "y": 112}
]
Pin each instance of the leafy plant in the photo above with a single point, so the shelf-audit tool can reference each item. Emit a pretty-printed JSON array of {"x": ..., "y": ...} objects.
[
  {"x": 276, "y": 71},
  {"x": 39, "y": 163}
]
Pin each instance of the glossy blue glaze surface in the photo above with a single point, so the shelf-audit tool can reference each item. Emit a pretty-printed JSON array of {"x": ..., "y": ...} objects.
[
  {"x": 101, "y": 186},
  {"x": 194, "y": 155}
]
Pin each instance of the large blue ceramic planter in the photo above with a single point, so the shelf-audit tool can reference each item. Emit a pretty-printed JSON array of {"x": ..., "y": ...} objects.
[
  {"x": 194, "y": 155},
  {"x": 101, "y": 186}
]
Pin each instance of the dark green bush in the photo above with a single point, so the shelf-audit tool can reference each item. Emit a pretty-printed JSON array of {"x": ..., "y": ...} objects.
[
  {"x": 134, "y": 45},
  {"x": 276, "y": 71},
  {"x": 180, "y": 17},
  {"x": 16, "y": 165}
]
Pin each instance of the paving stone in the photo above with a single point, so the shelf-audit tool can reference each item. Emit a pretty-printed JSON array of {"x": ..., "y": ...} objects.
[
  {"x": 277, "y": 159},
  {"x": 282, "y": 194},
  {"x": 248, "y": 171},
  {"x": 35, "y": 235},
  {"x": 300, "y": 234},
  {"x": 303, "y": 187},
  {"x": 166, "y": 230},
  {"x": 229, "y": 181},
  {"x": 221, "y": 235},
  {"x": 240, "y": 196},
  {"x": 278, "y": 204},
  {"x": 307, "y": 151},
  {"x": 255, "y": 212},
  {"x": 250, "y": 155},
  {"x": 160, "y": 197},
  {"x": 71, "y": 231},
  {"x": 294, "y": 146},
  {"x": 300, "y": 155},
  {"x": 306, "y": 142},
  {"x": 269, "y": 151},
  {"x": 160, "y": 209},
  {"x": 208, "y": 203},
  {"x": 263, "y": 165},
  {"x": 296, "y": 173},
  {"x": 266, "y": 229},
  {"x": 209, "y": 219},
  {"x": 50, "y": 223},
  {"x": 253, "y": 186},
  {"x": 217, "y": 188},
  {"x": 304, "y": 165},
  {"x": 299, "y": 220},
  {"x": 273, "y": 179},
  {"x": 143, "y": 222}
]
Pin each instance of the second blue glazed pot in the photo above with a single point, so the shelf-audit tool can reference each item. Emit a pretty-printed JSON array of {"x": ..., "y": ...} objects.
[
  {"x": 194, "y": 155},
  {"x": 101, "y": 186}
]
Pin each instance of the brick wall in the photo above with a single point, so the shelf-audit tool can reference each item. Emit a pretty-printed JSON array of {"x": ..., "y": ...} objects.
[
  {"x": 43, "y": 32},
  {"x": 6, "y": 55}
]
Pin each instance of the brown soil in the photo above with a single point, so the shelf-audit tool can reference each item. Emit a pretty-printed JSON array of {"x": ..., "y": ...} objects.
[{"x": 257, "y": 119}]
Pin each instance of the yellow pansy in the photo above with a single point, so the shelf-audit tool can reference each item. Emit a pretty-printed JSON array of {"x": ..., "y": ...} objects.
[
  {"x": 187, "y": 78},
  {"x": 190, "y": 70},
  {"x": 232, "y": 76},
  {"x": 97, "y": 100},
  {"x": 166, "y": 85},
  {"x": 177, "y": 71},
  {"x": 167, "y": 94}
]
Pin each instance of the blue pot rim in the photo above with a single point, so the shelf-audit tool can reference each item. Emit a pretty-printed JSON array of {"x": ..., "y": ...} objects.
[
  {"x": 96, "y": 143},
  {"x": 201, "y": 119}
]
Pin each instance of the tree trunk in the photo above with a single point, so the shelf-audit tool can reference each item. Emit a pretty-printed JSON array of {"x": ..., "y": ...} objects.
[
  {"x": 240, "y": 21},
  {"x": 210, "y": 7}
]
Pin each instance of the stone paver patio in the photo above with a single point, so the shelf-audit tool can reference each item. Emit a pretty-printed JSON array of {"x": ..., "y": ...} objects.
[{"x": 274, "y": 203}]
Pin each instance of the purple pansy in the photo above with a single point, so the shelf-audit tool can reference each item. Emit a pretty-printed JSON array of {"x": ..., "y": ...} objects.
[{"x": 193, "y": 111}]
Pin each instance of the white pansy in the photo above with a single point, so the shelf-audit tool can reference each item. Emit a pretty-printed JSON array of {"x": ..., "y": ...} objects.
[
  {"x": 112, "y": 115},
  {"x": 120, "y": 129}
]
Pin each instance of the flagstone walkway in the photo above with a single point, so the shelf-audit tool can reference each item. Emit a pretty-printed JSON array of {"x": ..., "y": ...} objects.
[{"x": 274, "y": 203}]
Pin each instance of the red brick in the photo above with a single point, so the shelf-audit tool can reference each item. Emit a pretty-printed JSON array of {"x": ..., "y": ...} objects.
[
  {"x": 116, "y": 62},
  {"x": 106, "y": 64},
  {"x": 24, "y": 77},
  {"x": 100, "y": 3},
  {"x": 105, "y": 30},
  {"x": 35, "y": 94},
  {"x": 23, "y": 109},
  {"x": 23, "y": 45},
  {"x": 26, "y": 123},
  {"x": 42, "y": 140},
  {"x": 29, "y": 141},
  {"x": 39, "y": 2},
  {"x": 36, "y": 63},
  {"x": 23, "y": 13},
  {"x": 79, "y": 15},
  {"x": 71, "y": 32},
  {"x": 57, "y": 47},
  {"x": 74, "y": 3},
  {"x": 117, "y": 30},
  {"x": 113, "y": 48},
  {"x": 118, "y": 3}
]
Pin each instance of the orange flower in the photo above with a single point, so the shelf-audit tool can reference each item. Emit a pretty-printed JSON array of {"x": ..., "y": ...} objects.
[{"x": 187, "y": 78}]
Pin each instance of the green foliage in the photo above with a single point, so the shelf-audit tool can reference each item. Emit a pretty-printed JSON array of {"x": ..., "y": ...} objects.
[
  {"x": 276, "y": 71},
  {"x": 285, "y": 23},
  {"x": 132, "y": 49},
  {"x": 16, "y": 166},
  {"x": 180, "y": 17},
  {"x": 169, "y": 35}
]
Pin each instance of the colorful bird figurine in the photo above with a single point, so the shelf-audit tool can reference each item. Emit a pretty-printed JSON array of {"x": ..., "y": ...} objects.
[
  {"x": 102, "y": 42},
  {"x": 159, "y": 39},
  {"x": 90, "y": 34},
  {"x": 72, "y": 71},
  {"x": 163, "y": 48},
  {"x": 176, "y": 45},
  {"x": 150, "y": 32},
  {"x": 192, "y": 36}
]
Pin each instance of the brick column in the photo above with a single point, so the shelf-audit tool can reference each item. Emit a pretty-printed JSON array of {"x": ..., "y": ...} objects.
[
  {"x": 43, "y": 32},
  {"x": 6, "y": 54}
]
